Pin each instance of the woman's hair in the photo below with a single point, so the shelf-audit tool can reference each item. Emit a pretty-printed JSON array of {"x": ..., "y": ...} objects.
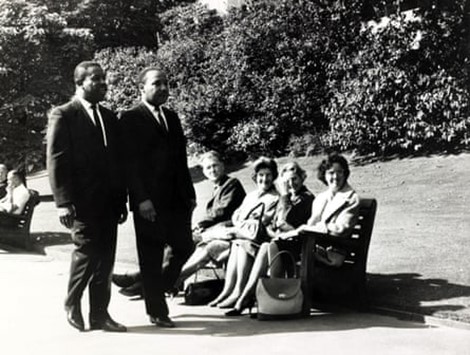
[
  {"x": 19, "y": 175},
  {"x": 264, "y": 163},
  {"x": 328, "y": 163},
  {"x": 295, "y": 168},
  {"x": 212, "y": 155}
]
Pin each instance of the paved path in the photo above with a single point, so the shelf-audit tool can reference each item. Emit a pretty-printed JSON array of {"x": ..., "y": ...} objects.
[{"x": 33, "y": 321}]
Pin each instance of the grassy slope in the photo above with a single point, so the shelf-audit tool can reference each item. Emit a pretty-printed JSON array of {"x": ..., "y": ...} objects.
[{"x": 419, "y": 254}]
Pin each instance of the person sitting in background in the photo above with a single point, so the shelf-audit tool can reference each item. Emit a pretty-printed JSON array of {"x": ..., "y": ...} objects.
[
  {"x": 3, "y": 180},
  {"x": 293, "y": 210},
  {"x": 227, "y": 196},
  {"x": 17, "y": 195},
  {"x": 243, "y": 251},
  {"x": 334, "y": 211}
]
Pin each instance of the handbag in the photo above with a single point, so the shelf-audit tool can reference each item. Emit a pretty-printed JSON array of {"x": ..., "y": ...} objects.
[
  {"x": 202, "y": 292},
  {"x": 252, "y": 228},
  {"x": 279, "y": 298}
]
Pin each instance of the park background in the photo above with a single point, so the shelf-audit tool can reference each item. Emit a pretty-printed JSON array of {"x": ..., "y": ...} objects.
[{"x": 385, "y": 82}]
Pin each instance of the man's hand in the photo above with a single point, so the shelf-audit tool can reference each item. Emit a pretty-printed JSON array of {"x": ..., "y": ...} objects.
[
  {"x": 66, "y": 216},
  {"x": 147, "y": 211},
  {"x": 123, "y": 216}
]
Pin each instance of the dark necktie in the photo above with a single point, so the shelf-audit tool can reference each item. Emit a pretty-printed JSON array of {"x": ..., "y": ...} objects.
[
  {"x": 162, "y": 122},
  {"x": 98, "y": 125}
]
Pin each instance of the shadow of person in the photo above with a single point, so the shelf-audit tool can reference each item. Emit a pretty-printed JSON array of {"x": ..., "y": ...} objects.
[
  {"x": 39, "y": 242},
  {"x": 42, "y": 240},
  {"x": 221, "y": 326},
  {"x": 410, "y": 292}
]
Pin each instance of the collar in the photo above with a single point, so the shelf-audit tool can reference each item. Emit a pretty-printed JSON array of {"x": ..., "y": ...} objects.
[
  {"x": 221, "y": 181},
  {"x": 87, "y": 104}
]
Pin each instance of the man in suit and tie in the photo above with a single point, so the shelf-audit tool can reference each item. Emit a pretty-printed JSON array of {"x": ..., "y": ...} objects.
[
  {"x": 161, "y": 192},
  {"x": 83, "y": 162}
]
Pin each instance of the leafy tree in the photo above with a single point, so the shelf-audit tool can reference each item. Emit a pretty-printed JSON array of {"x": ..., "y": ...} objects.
[{"x": 38, "y": 56}]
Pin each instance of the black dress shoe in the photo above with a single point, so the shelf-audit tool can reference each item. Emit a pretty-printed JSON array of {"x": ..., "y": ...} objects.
[
  {"x": 163, "y": 322},
  {"x": 74, "y": 317},
  {"x": 108, "y": 325},
  {"x": 134, "y": 290},
  {"x": 124, "y": 280}
]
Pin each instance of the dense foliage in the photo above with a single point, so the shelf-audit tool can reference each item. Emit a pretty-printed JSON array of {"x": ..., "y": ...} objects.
[
  {"x": 405, "y": 90},
  {"x": 38, "y": 55},
  {"x": 272, "y": 77}
]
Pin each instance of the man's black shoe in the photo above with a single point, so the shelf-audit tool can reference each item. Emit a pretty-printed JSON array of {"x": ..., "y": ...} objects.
[
  {"x": 124, "y": 280},
  {"x": 133, "y": 290},
  {"x": 163, "y": 322},
  {"x": 74, "y": 317},
  {"x": 108, "y": 325}
]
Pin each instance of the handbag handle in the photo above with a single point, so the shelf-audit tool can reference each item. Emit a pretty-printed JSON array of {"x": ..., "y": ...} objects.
[
  {"x": 212, "y": 268},
  {"x": 291, "y": 257},
  {"x": 255, "y": 208}
]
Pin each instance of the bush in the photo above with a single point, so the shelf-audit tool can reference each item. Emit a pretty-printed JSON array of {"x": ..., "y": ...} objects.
[
  {"x": 36, "y": 66},
  {"x": 404, "y": 91}
]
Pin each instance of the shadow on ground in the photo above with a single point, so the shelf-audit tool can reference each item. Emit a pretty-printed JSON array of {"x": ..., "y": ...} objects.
[
  {"x": 221, "y": 326},
  {"x": 40, "y": 241},
  {"x": 410, "y": 292}
]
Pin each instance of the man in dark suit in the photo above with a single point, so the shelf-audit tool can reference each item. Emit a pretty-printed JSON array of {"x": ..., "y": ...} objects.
[
  {"x": 3, "y": 180},
  {"x": 83, "y": 162},
  {"x": 161, "y": 192}
]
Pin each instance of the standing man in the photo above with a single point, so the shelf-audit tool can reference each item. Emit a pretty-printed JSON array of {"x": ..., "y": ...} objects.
[
  {"x": 161, "y": 192},
  {"x": 89, "y": 191},
  {"x": 3, "y": 180}
]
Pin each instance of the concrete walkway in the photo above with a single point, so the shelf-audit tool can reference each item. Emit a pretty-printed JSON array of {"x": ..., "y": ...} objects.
[{"x": 33, "y": 322}]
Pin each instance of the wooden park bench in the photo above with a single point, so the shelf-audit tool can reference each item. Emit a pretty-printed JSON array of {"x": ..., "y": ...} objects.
[
  {"x": 347, "y": 283},
  {"x": 15, "y": 229}
]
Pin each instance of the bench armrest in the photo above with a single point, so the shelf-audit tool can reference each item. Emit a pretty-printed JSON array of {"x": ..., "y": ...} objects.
[{"x": 345, "y": 241}]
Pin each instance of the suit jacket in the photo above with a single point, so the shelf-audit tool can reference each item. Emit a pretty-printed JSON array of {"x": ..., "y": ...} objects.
[
  {"x": 227, "y": 198},
  {"x": 81, "y": 170},
  {"x": 3, "y": 189},
  {"x": 337, "y": 214},
  {"x": 157, "y": 167}
]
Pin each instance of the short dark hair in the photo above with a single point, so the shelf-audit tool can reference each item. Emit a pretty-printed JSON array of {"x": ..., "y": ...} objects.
[
  {"x": 264, "y": 163},
  {"x": 328, "y": 163},
  {"x": 143, "y": 73},
  {"x": 81, "y": 70}
]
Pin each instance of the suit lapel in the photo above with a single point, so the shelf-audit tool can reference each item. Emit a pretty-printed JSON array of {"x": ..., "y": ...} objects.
[{"x": 150, "y": 118}]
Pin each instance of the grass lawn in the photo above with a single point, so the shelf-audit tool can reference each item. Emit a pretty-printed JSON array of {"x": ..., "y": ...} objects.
[{"x": 419, "y": 254}]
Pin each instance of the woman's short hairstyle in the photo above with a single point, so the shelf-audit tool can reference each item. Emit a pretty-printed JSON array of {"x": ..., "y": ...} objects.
[
  {"x": 212, "y": 155},
  {"x": 295, "y": 168},
  {"x": 18, "y": 174},
  {"x": 328, "y": 163},
  {"x": 264, "y": 163}
]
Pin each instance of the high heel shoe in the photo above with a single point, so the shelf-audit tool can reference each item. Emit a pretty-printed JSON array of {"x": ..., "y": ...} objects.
[{"x": 238, "y": 311}]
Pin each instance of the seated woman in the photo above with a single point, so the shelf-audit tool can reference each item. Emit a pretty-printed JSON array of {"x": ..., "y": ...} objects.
[
  {"x": 293, "y": 210},
  {"x": 334, "y": 211},
  {"x": 227, "y": 197},
  {"x": 243, "y": 252},
  {"x": 17, "y": 195}
]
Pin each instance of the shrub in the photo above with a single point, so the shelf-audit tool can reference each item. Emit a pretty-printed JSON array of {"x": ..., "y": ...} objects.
[
  {"x": 404, "y": 91},
  {"x": 38, "y": 56}
]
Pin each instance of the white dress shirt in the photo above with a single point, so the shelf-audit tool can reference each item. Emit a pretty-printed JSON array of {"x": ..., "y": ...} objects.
[
  {"x": 158, "y": 114},
  {"x": 88, "y": 108}
]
